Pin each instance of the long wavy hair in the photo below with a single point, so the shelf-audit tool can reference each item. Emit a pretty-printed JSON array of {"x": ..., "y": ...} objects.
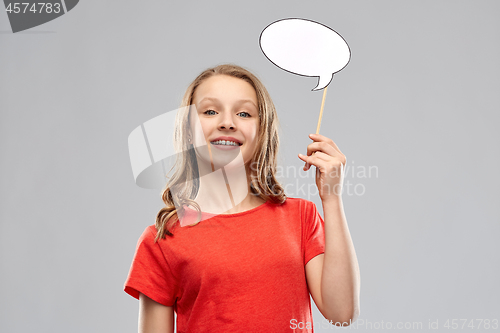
[{"x": 263, "y": 182}]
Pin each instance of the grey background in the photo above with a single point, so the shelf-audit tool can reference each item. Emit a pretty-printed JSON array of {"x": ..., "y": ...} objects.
[{"x": 419, "y": 100}]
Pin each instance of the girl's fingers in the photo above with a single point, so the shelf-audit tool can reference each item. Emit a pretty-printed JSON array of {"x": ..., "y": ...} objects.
[
  {"x": 322, "y": 156},
  {"x": 320, "y": 159},
  {"x": 322, "y": 147},
  {"x": 305, "y": 159},
  {"x": 322, "y": 138},
  {"x": 316, "y": 160}
]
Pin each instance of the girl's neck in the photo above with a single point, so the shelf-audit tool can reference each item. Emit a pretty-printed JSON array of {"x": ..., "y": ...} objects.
[{"x": 226, "y": 190}]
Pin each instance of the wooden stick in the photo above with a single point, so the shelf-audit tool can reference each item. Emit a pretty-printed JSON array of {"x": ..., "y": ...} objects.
[{"x": 321, "y": 112}]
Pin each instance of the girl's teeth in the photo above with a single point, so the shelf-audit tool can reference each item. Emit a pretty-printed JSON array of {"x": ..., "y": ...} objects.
[{"x": 226, "y": 143}]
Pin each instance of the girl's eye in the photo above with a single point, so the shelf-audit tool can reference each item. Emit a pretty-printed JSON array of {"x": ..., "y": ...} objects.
[{"x": 208, "y": 111}]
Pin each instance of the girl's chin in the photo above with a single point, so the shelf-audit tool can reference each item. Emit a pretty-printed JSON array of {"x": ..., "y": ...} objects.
[{"x": 228, "y": 163}]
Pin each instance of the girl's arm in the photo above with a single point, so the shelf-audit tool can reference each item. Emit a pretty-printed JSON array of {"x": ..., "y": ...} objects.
[
  {"x": 340, "y": 284},
  {"x": 154, "y": 317},
  {"x": 333, "y": 277}
]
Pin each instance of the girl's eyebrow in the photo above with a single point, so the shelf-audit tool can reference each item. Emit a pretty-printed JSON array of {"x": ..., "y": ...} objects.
[{"x": 241, "y": 101}]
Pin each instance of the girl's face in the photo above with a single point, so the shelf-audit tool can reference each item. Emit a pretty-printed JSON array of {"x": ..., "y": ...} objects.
[{"x": 227, "y": 109}]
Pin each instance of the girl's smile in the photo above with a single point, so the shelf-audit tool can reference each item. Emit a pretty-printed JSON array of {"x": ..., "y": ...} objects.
[{"x": 226, "y": 142}]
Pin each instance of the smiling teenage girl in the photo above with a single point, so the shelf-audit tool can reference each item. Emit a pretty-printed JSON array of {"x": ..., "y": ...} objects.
[{"x": 252, "y": 267}]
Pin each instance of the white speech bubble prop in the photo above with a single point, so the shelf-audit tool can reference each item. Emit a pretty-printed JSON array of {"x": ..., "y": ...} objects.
[{"x": 306, "y": 48}]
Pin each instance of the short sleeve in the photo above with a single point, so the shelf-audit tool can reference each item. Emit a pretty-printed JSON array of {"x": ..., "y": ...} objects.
[
  {"x": 150, "y": 273},
  {"x": 313, "y": 231}
]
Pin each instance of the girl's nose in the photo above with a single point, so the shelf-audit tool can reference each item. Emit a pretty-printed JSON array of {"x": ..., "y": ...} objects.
[{"x": 226, "y": 122}]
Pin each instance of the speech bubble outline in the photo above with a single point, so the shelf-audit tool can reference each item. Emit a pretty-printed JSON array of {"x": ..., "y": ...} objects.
[{"x": 311, "y": 43}]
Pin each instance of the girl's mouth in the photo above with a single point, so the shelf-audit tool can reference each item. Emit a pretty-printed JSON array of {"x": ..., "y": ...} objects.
[{"x": 225, "y": 145}]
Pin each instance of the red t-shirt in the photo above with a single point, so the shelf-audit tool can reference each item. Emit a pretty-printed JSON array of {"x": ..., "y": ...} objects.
[{"x": 242, "y": 272}]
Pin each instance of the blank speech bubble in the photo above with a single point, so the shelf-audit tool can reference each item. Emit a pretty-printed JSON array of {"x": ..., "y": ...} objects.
[{"x": 305, "y": 48}]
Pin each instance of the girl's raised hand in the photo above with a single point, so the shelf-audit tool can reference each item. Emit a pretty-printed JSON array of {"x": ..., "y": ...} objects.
[{"x": 330, "y": 164}]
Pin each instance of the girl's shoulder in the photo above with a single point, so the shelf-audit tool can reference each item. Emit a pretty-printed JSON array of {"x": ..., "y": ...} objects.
[
  {"x": 299, "y": 204},
  {"x": 290, "y": 201}
]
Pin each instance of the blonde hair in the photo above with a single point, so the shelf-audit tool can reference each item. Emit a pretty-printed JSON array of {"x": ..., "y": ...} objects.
[{"x": 264, "y": 161}]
